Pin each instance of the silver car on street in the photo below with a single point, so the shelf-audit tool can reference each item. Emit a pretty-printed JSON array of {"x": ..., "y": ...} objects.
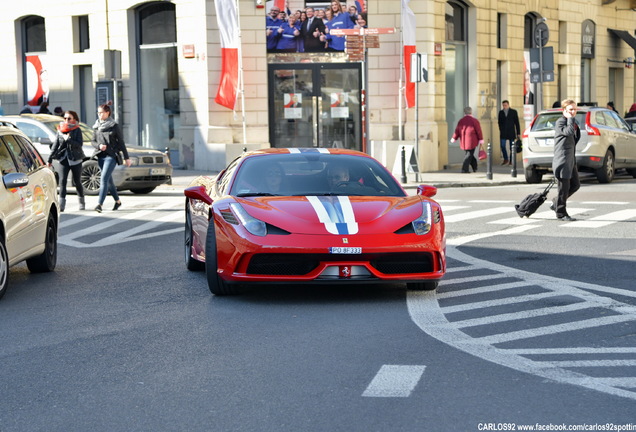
[
  {"x": 150, "y": 168},
  {"x": 607, "y": 144}
]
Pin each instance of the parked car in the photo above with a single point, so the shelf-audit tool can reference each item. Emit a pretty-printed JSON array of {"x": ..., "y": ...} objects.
[
  {"x": 312, "y": 215},
  {"x": 28, "y": 206},
  {"x": 607, "y": 143},
  {"x": 150, "y": 168}
]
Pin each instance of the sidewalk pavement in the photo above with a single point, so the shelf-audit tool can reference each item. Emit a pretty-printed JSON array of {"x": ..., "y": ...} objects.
[{"x": 501, "y": 175}]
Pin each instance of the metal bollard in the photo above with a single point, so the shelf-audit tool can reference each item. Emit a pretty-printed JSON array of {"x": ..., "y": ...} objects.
[
  {"x": 403, "y": 177},
  {"x": 513, "y": 158},
  {"x": 489, "y": 161}
]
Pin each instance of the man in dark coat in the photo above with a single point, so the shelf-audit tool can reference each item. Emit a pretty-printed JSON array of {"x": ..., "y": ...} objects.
[
  {"x": 509, "y": 130},
  {"x": 311, "y": 31},
  {"x": 566, "y": 135}
]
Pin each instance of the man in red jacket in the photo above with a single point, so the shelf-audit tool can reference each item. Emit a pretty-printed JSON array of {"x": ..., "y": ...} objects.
[{"x": 468, "y": 131}]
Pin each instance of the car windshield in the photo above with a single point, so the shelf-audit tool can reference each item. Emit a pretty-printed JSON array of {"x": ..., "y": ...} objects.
[
  {"x": 313, "y": 174},
  {"x": 87, "y": 131},
  {"x": 546, "y": 121}
]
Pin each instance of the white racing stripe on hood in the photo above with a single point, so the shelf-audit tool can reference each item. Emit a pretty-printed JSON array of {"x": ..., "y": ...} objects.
[{"x": 336, "y": 213}]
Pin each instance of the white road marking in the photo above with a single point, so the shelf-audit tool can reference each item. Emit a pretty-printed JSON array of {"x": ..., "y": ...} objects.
[
  {"x": 432, "y": 317},
  {"x": 394, "y": 381},
  {"x": 604, "y": 220},
  {"x": 477, "y": 214},
  {"x": 115, "y": 218}
]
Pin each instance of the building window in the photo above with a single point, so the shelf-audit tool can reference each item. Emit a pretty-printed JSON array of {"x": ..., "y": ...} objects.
[
  {"x": 81, "y": 39},
  {"x": 502, "y": 30},
  {"x": 157, "y": 24},
  {"x": 34, "y": 34},
  {"x": 528, "y": 31},
  {"x": 455, "y": 28}
]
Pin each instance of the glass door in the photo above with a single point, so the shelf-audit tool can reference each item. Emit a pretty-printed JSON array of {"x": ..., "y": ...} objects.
[{"x": 315, "y": 105}]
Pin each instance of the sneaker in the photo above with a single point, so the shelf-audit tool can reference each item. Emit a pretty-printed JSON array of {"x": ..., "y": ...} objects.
[
  {"x": 117, "y": 205},
  {"x": 98, "y": 208},
  {"x": 566, "y": 218}
]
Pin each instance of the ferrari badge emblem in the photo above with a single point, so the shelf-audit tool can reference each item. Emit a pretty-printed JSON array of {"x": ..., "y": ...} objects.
[
  {"x": 345, "y": 271},
  {"x": 345, "y": 240}
]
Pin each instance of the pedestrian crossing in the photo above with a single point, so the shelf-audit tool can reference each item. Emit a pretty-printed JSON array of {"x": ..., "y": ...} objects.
[
  {"x": 589, "y": 214},
  {"x": 140, "y": 218},
  {"x": 567, "y": 331}
]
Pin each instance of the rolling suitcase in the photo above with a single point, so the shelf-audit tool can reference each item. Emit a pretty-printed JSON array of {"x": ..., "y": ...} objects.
[{"x": 532, "y": 202}]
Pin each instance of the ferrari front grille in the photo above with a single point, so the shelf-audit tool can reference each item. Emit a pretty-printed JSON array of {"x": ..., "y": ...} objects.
[{"x": 301, "y": 264}]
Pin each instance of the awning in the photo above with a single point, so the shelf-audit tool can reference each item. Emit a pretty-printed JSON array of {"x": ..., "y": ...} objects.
[{"x": 625, "y": 35}]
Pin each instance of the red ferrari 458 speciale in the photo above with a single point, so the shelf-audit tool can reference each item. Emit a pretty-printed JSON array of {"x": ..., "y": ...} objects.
[{"x": 312, "y": 215}]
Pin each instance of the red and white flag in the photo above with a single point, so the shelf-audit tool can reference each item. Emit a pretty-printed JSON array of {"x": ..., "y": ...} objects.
[
  {"x": 227, "y": 19},
  {"x": 408, "y": 38}
]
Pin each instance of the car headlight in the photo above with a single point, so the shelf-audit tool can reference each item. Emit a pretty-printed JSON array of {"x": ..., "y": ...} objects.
[
  {"x": 134, "y": 161},
  {"x": 422, "y": 225},
  {"x": 251, "y": 224}
]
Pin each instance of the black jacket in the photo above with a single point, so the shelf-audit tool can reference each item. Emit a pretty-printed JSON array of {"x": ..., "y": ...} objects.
[
  {"x": 509, "y": 125},
  {"x": 312, "y": 43},
  {"x": 108, "y": 132},
  {"x": 566, "y": 135},
  {"x": 70, "y": 147}
]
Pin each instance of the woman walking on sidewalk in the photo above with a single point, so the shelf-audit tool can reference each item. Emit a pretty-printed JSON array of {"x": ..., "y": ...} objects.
[
  {"x": 67, "y": 149},
  {"x": 108, "y": 141},
  {"x": 468, "y": 131}
]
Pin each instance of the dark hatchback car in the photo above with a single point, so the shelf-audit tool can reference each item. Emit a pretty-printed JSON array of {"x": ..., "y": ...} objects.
[
  {"x": 150, "y": 168},
  {"x": 607, "y": 143}
]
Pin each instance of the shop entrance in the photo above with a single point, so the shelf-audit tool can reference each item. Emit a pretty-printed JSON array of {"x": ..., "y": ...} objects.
[{"x": 316, "y": 105}]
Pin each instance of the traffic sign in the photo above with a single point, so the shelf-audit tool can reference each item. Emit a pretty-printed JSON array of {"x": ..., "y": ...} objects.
[{"x": 541, "y": 34}]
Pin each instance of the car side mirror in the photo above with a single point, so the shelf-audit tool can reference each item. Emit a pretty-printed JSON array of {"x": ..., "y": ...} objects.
[
  {"x": 427, "y": 190},
  {"x": 198, "y": 193},
  {"x": 15, "y": 180}
]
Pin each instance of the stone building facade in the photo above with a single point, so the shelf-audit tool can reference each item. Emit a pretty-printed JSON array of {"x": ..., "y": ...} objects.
[{"x": 160, "y": 63}]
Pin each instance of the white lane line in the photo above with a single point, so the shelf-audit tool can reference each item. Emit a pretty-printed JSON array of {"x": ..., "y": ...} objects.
[
  {"x": 604, "y": 220},
  {"x": 553, "y": 329},
  {"x": 477, "y": 214},
  {"x": 131, "y": 233},
  {"x": 481, "y": 290},
  {"x": 394, "y": 381},
  {"x": 499, "y": 302},
  {"x": 447, "y": 208},
  {"x": 574, "y": 350},
  {"x": 604, "y": 202},
  {"x": 522, "y": 315},
  {"x": 626, "y": 382},
  {"x": 591, "y": 363},
  {"x": 458, "y": 241}
]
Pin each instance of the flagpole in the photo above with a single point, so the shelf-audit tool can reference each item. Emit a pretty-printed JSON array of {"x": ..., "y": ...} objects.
[
  {"x": 240, "y": 59},
  {"x": 401, "y": 89}
]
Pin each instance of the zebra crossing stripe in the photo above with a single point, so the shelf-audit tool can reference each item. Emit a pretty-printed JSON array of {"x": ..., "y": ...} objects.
[
  {"x": 394, "y": 381},
  {"x": 604, "y": 220}
]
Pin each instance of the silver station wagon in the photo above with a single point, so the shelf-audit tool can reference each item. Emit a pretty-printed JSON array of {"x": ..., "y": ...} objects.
[
  {"x": 150, "y": 168},
  {"x": 607, "y": 144}
]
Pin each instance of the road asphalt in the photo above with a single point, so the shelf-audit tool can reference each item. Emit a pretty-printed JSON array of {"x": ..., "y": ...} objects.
[{"x": 500, "y": 175}]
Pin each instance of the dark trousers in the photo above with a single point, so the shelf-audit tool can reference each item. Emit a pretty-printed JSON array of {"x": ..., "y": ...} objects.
[
  {"x": 565, "y": 189},
  {"x": 77, "y": 177},
  {"x": 469, "y": 159}
]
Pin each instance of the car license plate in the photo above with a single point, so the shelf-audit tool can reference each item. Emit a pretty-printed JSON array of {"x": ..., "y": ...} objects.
[
  {"x": 345, "y": 250},
  {"x": 548, "y": 142},
  {"x": 157, "y": 171}
]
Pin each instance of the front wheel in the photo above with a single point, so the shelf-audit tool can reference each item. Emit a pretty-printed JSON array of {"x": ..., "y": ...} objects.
[
  {"x": 422, "y": 286},
  {"x": 91, "y": 177},
  {"x": 46, "y": 261},
  {"x": 191, "y": 263},
  {"x": 605, "y": 174},
  {"x": 216, "y": 284},
  {"x": 4, "y": 267}
]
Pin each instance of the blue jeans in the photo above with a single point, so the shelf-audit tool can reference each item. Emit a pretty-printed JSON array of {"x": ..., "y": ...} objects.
[
  {"x": 504, "y": 153},
  {"x": 107, "y": 165}
]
